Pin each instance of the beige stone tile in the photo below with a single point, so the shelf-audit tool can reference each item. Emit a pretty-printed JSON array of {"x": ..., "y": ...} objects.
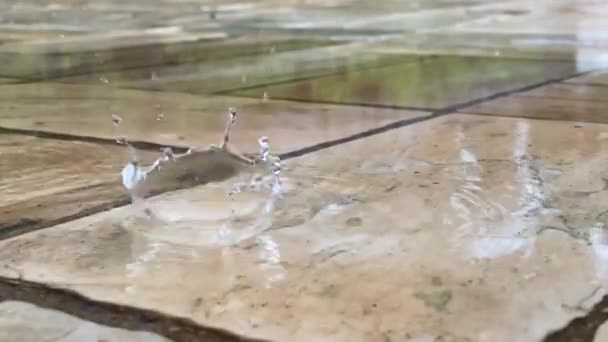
[
  {"x": 33, "y": 167},
  {"x": 188, "y": 120},
  {"x": 586, "y": 51},
  {"x": 465, "y": 227},
  {"x": 427, "y": 83},
  {"x": 599, "y": 78},
  {"x": 570, "y": 91},
  {"x": 571, "y": 107},
  {"x": 45, "y": 181},
  {"x": 28, "y": 323},
  {"x": 91, "y": 56},
  {"x": 219, "y": 73},
  {"x": 89, "y": 53}
]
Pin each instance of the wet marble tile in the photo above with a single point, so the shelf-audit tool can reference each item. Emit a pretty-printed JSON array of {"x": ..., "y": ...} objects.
[
  {"x": 25, "y": 322},
  {"x": 427, "y": 83},
  {"x": 33, "y": 167},
  {"x": 570, "y": 91},
  {"x": 597, "y": 78},
  {"x": 89, "y": 53},
  {"x": 187, "y": 120},
  {"x": 46, "y": 181},
  {"x": 573, "y": 107},
  {"x": 462, "y": 228},
  {"x": 222, "y": 75},
  {"x": 585, "y": 52}
]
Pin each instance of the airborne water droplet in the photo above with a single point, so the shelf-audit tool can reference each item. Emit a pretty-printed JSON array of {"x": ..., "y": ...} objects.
[{"x": 116, "y": 120}]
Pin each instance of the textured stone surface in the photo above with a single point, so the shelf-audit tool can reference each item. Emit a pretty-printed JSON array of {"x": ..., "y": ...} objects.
[
  {"x": 186, "y": 120},
  {"x": 420, "y": 232},
  {"x": 16, "y": 320}
]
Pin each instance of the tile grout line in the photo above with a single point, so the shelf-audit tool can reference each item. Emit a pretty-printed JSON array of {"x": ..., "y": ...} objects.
[
  {"x": 406, "y": 122},
  {"x": 175, "y": 328},
  {"x": 345, "y": 104}
]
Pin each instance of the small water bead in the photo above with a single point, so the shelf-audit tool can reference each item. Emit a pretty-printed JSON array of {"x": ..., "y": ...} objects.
[{"x": 116, "y": 120}]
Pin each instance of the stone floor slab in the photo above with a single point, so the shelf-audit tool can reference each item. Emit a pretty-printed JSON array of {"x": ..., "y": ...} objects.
[
  {"x": 98, "y": 53},
  {"x": 597, "y": 78},
  {"x": 497, "y": 211},
  {"x": 220, "y": 75},
  {"x": 28, "y": 323},
  {"x": 34, "y": 167},
  {"x": 572, "y": 107},
  {"x": 570, "y": 91},
  {"x": 187, "y": 120},
  {"x": 47, "y": 181},
  {"x": 428, "y": 83},
  {"x": 586, "y": 52}
]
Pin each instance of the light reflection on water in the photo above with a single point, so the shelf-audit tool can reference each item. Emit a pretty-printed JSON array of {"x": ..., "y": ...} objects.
[{"x": 488, "y": 228}]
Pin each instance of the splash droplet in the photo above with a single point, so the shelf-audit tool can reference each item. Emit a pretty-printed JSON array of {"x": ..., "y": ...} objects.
[
  {"x": 116, "y": 120},
  {"x": 104, "y": 80},
  {"x": 160, "y": 116}
]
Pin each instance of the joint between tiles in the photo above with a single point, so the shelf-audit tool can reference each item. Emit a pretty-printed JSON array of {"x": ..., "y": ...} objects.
[{"x": 177, "y": 329}]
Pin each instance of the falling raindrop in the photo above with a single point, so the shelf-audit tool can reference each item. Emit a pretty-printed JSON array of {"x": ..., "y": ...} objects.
[
  {"x": 116, "y": 120},
  {"x": 154, "y": 76},
  {"x": 243, "y": 78},
  {"x": 265, "y": 97}
]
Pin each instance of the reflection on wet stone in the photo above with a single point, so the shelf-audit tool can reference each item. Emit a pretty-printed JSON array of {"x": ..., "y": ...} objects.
[{"x": 389, "y": 225}]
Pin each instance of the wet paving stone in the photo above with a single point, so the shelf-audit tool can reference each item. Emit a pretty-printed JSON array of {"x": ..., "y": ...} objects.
[
  {"x": 95, "y": 54},
  {"x": 16, "y": 325},
  {"x": 48, "y": 181},
  {"x": 493, "y": 205},
  {"x": 427, "y": 83},
  {"x": 569, "y": 102},
  {"x": 570, "y": 91},
  {"x": 187, "y": 120},
  {"x": 595, "y": 78},
  {"x": 271, "y": 67}
]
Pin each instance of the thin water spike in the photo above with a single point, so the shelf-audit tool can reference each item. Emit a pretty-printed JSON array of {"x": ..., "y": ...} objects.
[
  {"x": 264, "y": 148},
  {"x": 231, "y": 122}
]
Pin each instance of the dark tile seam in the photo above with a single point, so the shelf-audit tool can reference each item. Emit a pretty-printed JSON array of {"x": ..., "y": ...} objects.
[{"x": 177, "y": 329}]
